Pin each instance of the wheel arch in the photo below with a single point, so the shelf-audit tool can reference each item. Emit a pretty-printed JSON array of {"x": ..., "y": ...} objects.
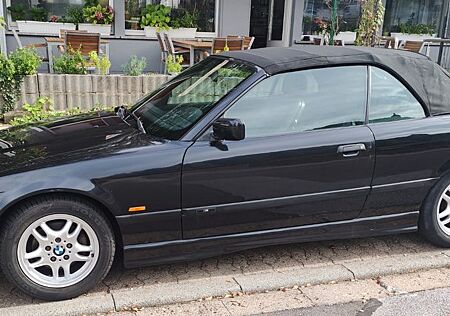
[{"x": 106, "y": 211}]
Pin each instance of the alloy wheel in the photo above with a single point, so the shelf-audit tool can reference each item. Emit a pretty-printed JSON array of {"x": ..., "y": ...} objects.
[
  {"x": 443, "y": 211},
  {"x": 58, "y": 250}
]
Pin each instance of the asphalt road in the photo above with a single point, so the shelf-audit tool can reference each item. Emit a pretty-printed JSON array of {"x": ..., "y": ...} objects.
[
  {"x": 432, "y": 302},
  {"x": 264, "y": 259}
]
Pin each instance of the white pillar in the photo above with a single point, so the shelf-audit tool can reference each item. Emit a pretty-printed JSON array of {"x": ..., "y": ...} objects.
[{"x": 2, "y": 33}]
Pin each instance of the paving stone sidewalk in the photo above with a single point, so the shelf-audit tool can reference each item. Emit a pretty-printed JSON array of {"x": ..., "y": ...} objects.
[{"x": 290, "y": 260}]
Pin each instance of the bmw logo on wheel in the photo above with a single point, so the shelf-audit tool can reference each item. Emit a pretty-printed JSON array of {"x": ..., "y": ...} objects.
[{"x": 58, "y": 250}]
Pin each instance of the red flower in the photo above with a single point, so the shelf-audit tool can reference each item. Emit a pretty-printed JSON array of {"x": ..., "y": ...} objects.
[
  {"x": 54, "y": 19},
  {"x": 99, "y": 16}
]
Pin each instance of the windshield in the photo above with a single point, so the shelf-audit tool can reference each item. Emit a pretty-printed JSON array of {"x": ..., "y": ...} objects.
[{"x": 170, "y": 112}]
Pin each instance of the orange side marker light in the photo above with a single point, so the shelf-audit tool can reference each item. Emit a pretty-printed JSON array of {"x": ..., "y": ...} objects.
[{"x": 137, "y": 209}]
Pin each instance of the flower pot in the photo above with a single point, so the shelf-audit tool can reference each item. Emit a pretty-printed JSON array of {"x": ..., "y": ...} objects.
[
  {"x": 412, "y": 37},
  {"x": 103, "y": 29},
  {"x": 183, "y": 32},
  {"x": 346, "y": 37},
  {"x": 37, "y": 27},
  {"x": 150, "y": 31}
]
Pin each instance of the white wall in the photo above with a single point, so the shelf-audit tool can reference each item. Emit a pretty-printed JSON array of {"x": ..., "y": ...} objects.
[
  {"x": 234, "y": 17},
  {"x": 2, "y": 33}
]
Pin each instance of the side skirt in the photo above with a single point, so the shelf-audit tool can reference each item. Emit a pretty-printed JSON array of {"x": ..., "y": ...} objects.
[{"x": 193, "y": 249}]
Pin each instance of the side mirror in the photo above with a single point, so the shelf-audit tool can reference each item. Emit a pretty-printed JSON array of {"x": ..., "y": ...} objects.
[{"x": 228, "y": 129}]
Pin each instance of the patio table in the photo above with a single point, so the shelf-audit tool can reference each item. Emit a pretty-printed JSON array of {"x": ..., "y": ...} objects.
[
  {"x": 194, "y": 45},
  {"x": 56, "y": 41},
  {"x": 442, "y": 42}
]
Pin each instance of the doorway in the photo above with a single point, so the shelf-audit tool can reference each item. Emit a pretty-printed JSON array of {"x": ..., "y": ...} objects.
[{"x": 270, "y": 22}]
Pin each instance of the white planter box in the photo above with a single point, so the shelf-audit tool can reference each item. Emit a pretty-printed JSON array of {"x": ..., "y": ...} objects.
[
  {"x": 151, "y": 31},
  {"x": 346, "y": 37},
  {"x": 412, "y": 37},
  {"x": 183, "y": 32},
  {"x": 103, "y": 29},
  {"x": 43, "y": 27}
]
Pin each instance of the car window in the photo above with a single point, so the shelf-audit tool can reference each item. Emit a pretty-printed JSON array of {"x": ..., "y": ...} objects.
[
  {"x": 391, "y": 100},
  {"x": 304, "y": 101}
]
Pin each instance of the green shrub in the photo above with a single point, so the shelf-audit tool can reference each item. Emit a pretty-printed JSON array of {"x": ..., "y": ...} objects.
[
  {"x": 18, "y": 12},
  {"x": 101, "y": 63},
  {"x": 183, "y": 18},
  {"x": 156, "y": 15},
  {"x": 22, "y": 62},
  {"x": 42, "y": 110},
  {"x": 174, "y": 64},
  {"x": 409, "y": 28},
  {"x": 135, "y": 66},
  {"x": 74, "y": 14},
  {"x": 38, "y": 14},
  {"x": 26, "y": 61},
  {"x": 71, "y": 62},
  {"x": 98, "y": 14}
]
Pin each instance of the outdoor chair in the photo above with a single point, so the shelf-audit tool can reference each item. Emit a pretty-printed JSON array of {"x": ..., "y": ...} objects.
[
  {"x": 164, "y": 52},
  {"x": 174, "y": 51},
  {"x": 413, "y": 46},
  {"x": 233, "y": 44},
  {"x": 248, "y": 40},
  {"x": 37, "y": 46},
  {"x": 81, "y": 41},
  {"x": 318, "y": 41},
  {"x": 389, "y": 42}
]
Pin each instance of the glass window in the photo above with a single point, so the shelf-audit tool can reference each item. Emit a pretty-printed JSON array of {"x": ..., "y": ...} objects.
[
  {"x": 44, "y": 10},
  {"x": 391, "y": 100},
  {"x": 413, "y": 16},
  {"x": 181, "y": 103},
  {"x": 317, "y": 15},
  {"x": 203, "y": 11},
  {"x": 304, "y": 101}
]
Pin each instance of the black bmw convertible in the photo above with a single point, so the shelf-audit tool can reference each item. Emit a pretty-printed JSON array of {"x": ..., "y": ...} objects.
[{"x": 245, "y": 149}]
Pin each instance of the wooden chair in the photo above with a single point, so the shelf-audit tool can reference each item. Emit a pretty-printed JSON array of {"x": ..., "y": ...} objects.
[
  {"x": 248, "y": 40},
  {"x": 164, "y": 52},
  {"x": 177, "y": 50},
  {"x": 82, "y": 41},
  {"x": 62, "y": 33},
  {"x": 233, "y": 44},
  {"x": 318, "y": 41},
  {"x": 413, "y": 46}
]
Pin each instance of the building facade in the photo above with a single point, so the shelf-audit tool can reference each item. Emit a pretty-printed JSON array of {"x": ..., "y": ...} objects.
[{"x": 272, "y": 22}]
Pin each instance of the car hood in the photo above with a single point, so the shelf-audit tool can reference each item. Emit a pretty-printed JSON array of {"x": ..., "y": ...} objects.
[{"x": 76, "y": 138}]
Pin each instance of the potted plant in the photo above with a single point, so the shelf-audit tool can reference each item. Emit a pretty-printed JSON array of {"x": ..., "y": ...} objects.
[
  {"x": 413, "y": 32},
  {"x": 35, "y": 20},
  {"x": 183, "y": 23},
  {"x": 155, "y": 18},
  {"x": 98, "y": 19}
]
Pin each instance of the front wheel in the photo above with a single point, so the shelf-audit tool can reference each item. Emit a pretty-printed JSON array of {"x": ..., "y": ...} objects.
[
  {"x": 56, "y": 248},
  {"x": 435, "y": 214}
]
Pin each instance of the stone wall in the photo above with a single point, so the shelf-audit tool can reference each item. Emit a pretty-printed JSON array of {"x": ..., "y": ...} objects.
[{"x": 88, "y": 91}]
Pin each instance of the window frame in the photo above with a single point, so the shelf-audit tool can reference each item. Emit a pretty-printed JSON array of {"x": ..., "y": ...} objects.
[
  {"x": 12, "y": 25},
  {"x": 129, "y": 32},
  {"x": 403, "y": 82},
  {"x": 202, "y": 135}
]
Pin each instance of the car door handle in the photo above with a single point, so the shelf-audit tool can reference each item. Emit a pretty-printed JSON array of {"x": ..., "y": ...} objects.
[{"x": 352, "y": 150}]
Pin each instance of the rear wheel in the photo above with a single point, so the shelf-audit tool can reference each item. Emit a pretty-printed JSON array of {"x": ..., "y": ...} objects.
[
  {"x": 56, "y": 247},
  {"x": 435, "y": 216}
]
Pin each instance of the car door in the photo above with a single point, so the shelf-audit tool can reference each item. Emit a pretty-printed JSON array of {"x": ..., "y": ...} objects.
[
  {"x": 412, "y": 149},
  {"x": 307, "y": 157}
]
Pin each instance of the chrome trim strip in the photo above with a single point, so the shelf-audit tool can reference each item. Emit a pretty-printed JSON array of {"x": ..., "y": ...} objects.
[
  {"x": 276, "y": 199},
  {"x": 270, "y": 231},
  {"x": 134, "y": 215},
  {"x": 402, "y": 183}
]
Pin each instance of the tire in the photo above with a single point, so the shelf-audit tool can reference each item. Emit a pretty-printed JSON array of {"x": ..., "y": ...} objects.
[
  {"x": 68, "y": 259},
  {"x": 432, "y": 216}
]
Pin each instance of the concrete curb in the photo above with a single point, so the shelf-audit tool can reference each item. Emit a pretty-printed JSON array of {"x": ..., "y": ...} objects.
[{"x": 190, "y": 290}]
